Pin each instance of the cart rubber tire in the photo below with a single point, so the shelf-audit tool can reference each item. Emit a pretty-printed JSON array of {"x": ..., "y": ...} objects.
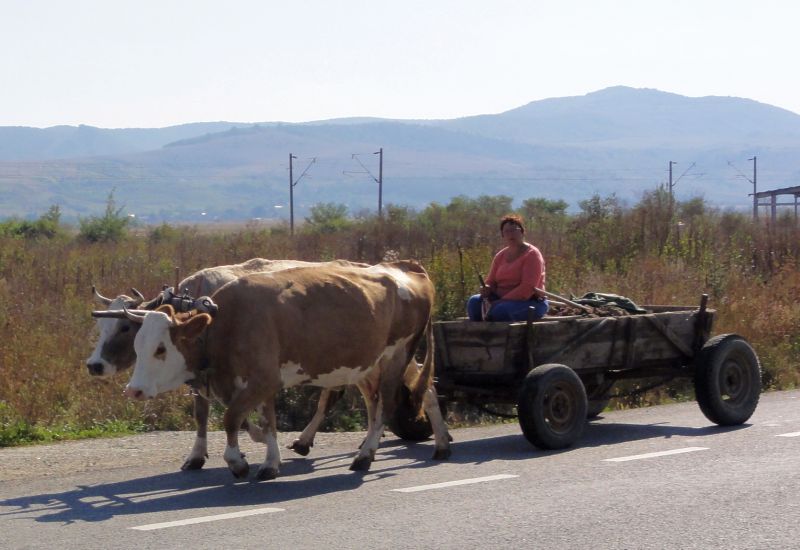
[
  {"x": 552, "y": 407},
  {"x": 404, "y": 423},
  {"x": 727, "y": 380}
]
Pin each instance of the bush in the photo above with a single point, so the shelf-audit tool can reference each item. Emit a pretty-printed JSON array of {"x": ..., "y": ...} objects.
[
  {"x": 328, "y": 217},
  {"x": 47, "y": 226},
  {"x": 111, "y": 227}
]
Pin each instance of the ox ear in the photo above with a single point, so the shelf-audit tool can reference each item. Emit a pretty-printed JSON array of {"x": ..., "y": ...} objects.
[
  {"x": 194, "y": 327},
  {"x": 168, "y": 309}
]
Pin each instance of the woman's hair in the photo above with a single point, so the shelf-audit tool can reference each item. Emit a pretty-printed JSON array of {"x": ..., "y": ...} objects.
[{"x": 512, "y": 219}]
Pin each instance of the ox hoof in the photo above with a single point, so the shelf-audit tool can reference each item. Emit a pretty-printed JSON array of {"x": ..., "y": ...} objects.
[
  {"x": 240, "y": 470},
  {"x": 361, "y": 464},
  {"x": 193, "y": 463},
  {"x": 441, "y": 454},
  {"x": 265, "y": 474},
  {"x": 299, "y": 447}
]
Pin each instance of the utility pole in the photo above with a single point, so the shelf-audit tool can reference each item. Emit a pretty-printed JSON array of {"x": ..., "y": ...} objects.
[
  {"x": 291, "y": 196},
  {"x": 292, "y": 184},
  {"x": 671, "y": 185},
  {"x": 380, "y": 182},
  {"x": 755, "y": 198}
]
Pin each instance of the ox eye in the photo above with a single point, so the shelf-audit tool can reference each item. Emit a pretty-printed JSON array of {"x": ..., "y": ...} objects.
[
  {"x": 161, "y": 351},
  {"x": 125, "y": 328}
]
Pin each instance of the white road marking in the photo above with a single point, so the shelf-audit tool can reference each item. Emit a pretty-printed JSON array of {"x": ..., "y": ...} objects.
[
  {"x": 454, "y": 483},
  {"x": 153, "y": 495},
  {"x": 791, "y": 434},
  {"x": 653, "y": 455},
  {"x": 205, "y": 519}
]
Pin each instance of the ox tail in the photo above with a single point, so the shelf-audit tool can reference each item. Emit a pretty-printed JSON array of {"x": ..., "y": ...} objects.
[{"x": 425, "y": 376}]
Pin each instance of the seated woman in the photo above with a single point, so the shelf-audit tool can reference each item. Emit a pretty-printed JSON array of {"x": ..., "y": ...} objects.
[{"x": 516, "y": 271}]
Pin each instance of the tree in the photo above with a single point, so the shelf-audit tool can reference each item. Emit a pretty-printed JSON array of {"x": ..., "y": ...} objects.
[
  {"x": 536, "y": 207},
  {"x": 599, "y": 235},
  {"x": 111, "y": 226},
  {"x": 599, "y": 208},
  {"x": 328, "y": 217}
]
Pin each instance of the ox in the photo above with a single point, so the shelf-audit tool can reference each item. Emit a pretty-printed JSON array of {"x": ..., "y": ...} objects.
[
  {"x": 326, "y": 326},
  {"x": 114, "y": 350}
]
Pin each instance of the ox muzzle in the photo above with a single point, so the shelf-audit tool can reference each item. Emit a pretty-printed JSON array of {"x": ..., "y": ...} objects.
[
  {"x": 137, "y": 394},
  {"x": 95, "y": 368}
]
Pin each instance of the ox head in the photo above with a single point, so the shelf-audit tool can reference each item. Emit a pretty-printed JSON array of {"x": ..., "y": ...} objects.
[
  {"x": 162, "y": 345},
  {"x": 114, "y": 349}
]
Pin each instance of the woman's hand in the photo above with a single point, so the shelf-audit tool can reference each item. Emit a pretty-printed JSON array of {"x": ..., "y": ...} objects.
[{"x": 486, "y": 291}]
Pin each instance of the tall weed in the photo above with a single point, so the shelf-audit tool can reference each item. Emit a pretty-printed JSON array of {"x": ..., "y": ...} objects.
[{"x": 650, "y": 253}]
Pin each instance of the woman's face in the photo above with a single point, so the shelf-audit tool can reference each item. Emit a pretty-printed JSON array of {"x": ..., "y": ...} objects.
[{"x": 512, "y": 234}]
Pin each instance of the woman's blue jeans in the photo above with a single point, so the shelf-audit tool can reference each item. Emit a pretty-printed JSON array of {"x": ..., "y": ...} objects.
[{"x": 507, "y": 310}]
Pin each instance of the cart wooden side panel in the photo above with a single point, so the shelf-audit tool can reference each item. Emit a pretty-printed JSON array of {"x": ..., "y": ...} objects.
[
  {"x": 465, "y": 348},
  {"x": 497, "y": 353},
  {"x": 620, "y": 343}
]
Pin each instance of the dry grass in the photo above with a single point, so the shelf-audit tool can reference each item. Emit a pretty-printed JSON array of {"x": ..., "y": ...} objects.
[{"x": 750, "y": 273}]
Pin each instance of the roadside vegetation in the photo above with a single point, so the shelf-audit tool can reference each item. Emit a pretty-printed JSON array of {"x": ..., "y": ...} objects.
[{"x": 654, "y": 252}]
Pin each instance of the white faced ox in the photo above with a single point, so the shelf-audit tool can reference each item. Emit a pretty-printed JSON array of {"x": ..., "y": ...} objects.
[
  {"x": 114, "y": 349},
  {"x": 324, "y": 326}
]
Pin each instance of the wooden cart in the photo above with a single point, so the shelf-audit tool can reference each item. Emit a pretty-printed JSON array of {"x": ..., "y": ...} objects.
[{"x": 559, "y": 371}]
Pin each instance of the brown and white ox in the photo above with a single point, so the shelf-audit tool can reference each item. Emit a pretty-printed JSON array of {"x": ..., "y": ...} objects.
[
  {"x": 324, "y": 326},
  {"x": 114, "y": 350}
]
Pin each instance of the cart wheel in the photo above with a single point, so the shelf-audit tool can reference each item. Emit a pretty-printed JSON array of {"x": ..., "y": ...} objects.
[
  {"x": 552, "y": 407},
  {"x": 598, "y": 397},
  {"x": 405, "y": 425},
  {"x": 727, "y": 380}
]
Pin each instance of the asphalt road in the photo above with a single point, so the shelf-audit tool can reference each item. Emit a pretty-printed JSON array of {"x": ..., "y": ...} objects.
[{"x": 662, "y": 477}]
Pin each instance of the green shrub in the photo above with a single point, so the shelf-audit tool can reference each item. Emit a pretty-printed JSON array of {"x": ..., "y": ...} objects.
[
  {"x": 47, "y": 226},
  {"x": 112, "y": 226},
  {"x": 328, "y": 217}
]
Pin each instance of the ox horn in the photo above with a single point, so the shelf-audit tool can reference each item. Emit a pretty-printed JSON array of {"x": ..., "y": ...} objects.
[
  {"x": 100, "y": 298},
  {"x": 116, "y": 313},
  {"x": 139, "y": 296},
  {"x": 135, "y": 317}
]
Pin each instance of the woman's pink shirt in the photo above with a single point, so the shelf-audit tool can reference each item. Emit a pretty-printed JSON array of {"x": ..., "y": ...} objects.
[{"x": 516, "y": 280}]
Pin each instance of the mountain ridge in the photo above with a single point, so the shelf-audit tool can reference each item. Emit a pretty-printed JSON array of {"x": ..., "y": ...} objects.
[{"x": 617, "y": 140}]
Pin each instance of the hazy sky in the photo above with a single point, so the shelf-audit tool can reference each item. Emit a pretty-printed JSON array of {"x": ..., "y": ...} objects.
[{"x": 119, "y": 63}]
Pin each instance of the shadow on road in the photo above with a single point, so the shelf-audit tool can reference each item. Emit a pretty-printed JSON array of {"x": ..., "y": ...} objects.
[
  {"x": 215, "y": 487},
  {"x": 597, "y": 434},
  {"x": 209, "y": 487}
]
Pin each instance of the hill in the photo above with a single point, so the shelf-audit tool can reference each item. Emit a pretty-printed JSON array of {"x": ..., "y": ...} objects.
[{"x": 618, "y": 140}]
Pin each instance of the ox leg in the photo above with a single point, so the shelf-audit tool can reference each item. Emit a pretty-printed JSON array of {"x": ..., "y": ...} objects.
[
  {"x": 232, "y": 421},
  {"x": 366, "y": 453},
  {"x": 256, "y": 433},
  {"x": 302, "y": 445},
  {"x": 269, "y": 469},
  {"x": 440, "y": 434},
  {"x": 199, "y": 453}
]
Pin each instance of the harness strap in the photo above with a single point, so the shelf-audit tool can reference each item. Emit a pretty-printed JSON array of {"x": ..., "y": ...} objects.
[{"x": 204, "y": 370}]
